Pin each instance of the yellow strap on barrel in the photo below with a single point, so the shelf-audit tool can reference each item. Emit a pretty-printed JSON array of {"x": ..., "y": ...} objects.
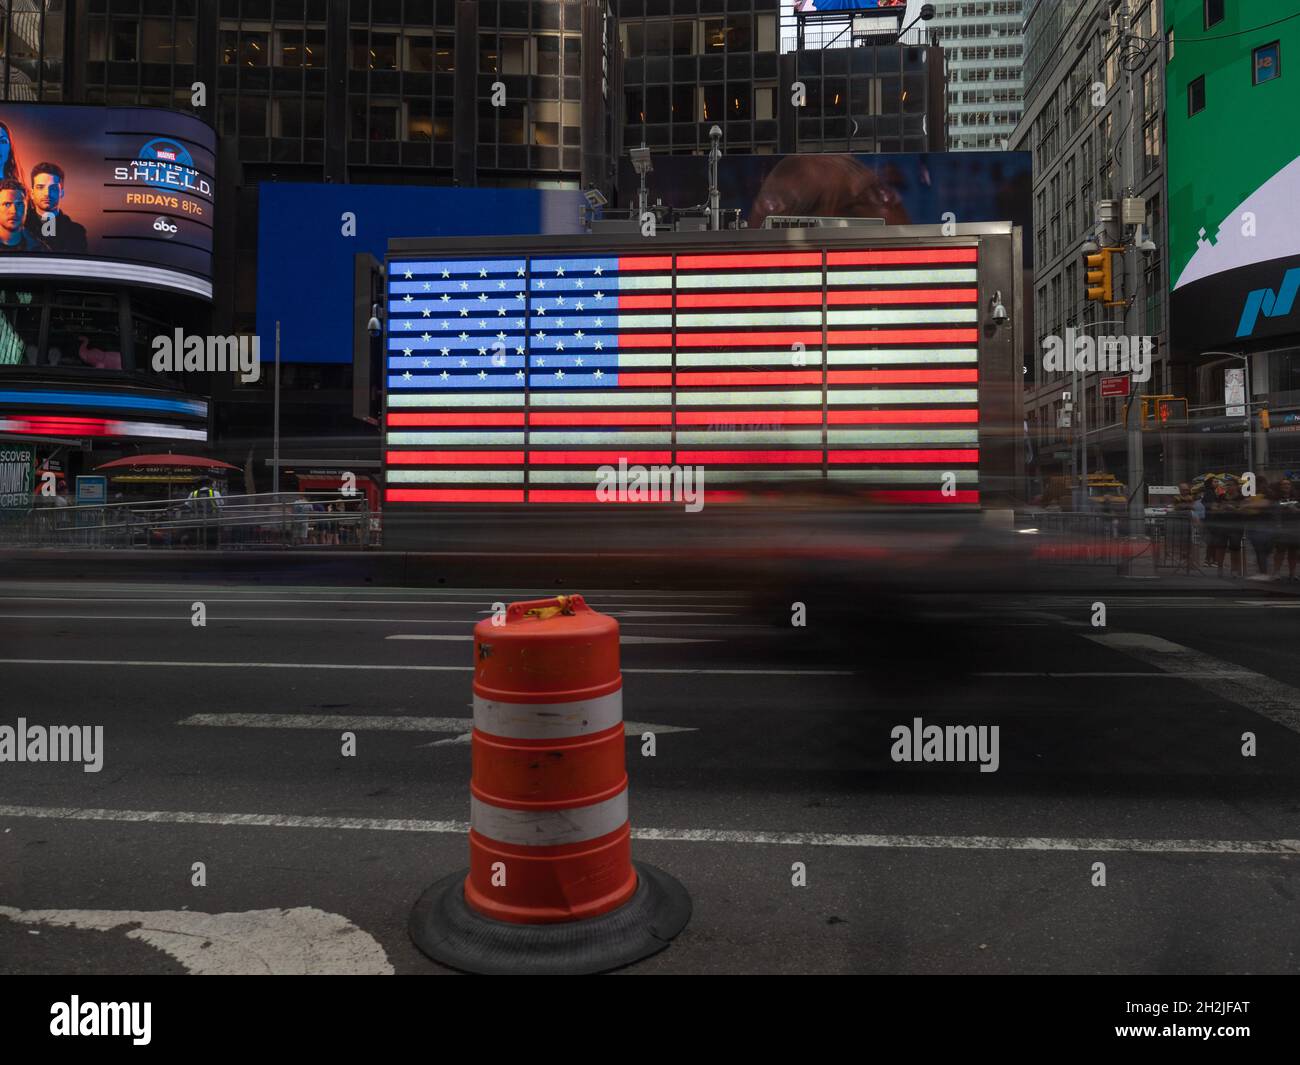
[{"x": 541, "y": 613}]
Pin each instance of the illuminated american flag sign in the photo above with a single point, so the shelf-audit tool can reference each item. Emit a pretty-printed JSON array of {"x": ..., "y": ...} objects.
[{"x": 514, "y": 379}]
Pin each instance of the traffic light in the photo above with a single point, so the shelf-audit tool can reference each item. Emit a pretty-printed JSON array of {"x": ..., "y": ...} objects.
[
  {"x": 1099, "y": 275},
  {"x": 1163, "y": 412}
]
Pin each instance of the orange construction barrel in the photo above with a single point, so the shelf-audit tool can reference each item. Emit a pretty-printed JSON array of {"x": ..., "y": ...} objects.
[{"x": 551, "y": 885}]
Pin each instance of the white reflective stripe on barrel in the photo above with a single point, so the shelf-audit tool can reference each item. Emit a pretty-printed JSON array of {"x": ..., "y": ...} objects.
[
  {"x": 544, "y": 721},
  {"x": 548, "y": 828}
]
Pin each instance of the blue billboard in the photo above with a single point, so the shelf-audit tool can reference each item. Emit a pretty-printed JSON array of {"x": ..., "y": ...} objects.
[{"x": 308, "y": 235}]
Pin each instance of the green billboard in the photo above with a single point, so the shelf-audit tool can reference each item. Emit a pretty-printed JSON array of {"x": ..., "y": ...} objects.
[{"x": 1233, "y": 168}]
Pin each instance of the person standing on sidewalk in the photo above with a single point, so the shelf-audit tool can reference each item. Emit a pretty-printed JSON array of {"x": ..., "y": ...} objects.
[
  {"x": 1257, "y": 519},
  {"x": 1287, "y": 536}
]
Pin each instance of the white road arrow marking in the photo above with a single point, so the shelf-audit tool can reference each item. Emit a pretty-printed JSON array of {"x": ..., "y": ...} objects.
[{"x": 303, "y": 941}]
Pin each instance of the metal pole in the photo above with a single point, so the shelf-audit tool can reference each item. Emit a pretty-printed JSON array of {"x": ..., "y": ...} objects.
[
  {"x": 275, "y": 446},
  {"x": 1250, "y": 435}
]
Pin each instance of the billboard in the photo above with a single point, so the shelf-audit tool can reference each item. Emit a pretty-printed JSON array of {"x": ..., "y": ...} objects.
[
  {"x": 903, "y": 188},
  {"x": 308, "y": 235},
  {"x": 808, "y": 7},
  {"x": 526, "y": 377},
  {"x": 1234, "y": 247},
  {"x": 120, "y": 194},
  {"x": 17, "y": 462}
]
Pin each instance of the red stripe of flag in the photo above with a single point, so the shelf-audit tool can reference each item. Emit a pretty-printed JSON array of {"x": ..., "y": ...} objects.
[
  {"x": 457, "y": 418},
  {"x": 914, "y": 295},
  {"x": 749, "y": 417},
  {"x": 592, "y": 458},
  {"x": 466, "y": 458},
  {"x": 588, "y": 495},
  {"x": 765, "y": 458},
  {"x": 902, "y": 336},
  {"x": 454, "y": 495},
  {"x": 925, "y": 496},
  {"x": 601, "y": 417},
  {"x": 751, "y": 299},
  {"x": 884, "y": 377},
  {"x": 748, "y": 261},
  {"x": 645, "y": 262},
  {"x": 903, "y": 417},
  {"x": 628, "y": 302},
  {"x": 880, "y": 257},
  {"x": 902, "y": 456}
]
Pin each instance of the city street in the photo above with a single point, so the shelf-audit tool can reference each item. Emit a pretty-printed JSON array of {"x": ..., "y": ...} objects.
[{"x": 222, "y": 745}]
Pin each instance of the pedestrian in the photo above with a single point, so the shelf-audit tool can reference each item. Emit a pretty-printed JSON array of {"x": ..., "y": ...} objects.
[
  {"x": 301, "y": 525},
  {"x": 1232, "y": 526},
  {"x": 1257, "y": 514},
  {"x": 1286, "y": 542},
  {"x": 1211, "y": 522},
  {"x": 1179, "y": 526}
]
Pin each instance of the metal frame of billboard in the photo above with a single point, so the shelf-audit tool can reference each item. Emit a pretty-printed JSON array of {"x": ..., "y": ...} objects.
[{"x": 1000, "y": 386}]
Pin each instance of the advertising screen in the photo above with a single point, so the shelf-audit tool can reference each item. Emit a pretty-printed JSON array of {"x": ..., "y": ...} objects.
[
  {"x": 516, "y": 379},
  {"x": 1234, "y": 246},
  {"x": 308, "y": 235},
  {"x": 113, "y": 193}
]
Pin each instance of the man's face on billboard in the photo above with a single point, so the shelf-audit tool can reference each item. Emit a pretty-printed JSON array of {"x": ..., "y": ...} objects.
[
  {"x": 47, "y": 192},
  {"x": 12, "y": 209}
]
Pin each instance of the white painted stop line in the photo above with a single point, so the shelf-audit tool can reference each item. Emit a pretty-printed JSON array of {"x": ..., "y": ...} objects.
[
  {"x": 684, "y": 835},
  {"x": 303, "y": 941}
]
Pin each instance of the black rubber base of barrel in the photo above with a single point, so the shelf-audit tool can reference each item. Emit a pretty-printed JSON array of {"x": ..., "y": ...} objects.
[{"x": 445, "y": 928}]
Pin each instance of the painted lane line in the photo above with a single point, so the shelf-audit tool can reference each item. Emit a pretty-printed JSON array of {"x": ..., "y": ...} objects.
[
  {"x": 115, "y": 663},
  {"x": 1146, "y": 674},
  {"x": 384, "y": 723},
  {"x": 679, "y": 835},
  {"x": 303, "y": 941},
  {"x": 466, "y": 637},
  {"x": 1261, "y": 694}
]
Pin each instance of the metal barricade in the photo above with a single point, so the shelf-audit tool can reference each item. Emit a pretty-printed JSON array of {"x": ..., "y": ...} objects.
[{"x": 313, "y": 521}]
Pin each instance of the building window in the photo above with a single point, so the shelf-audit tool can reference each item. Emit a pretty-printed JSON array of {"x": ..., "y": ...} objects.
[
  {"x": 298, "y": 48},
  {"x": 1267, "y": 62},
  {"x": 1213, "y": 12},
  {"x": 125, "y": 34},
  {"x": 1196, "y": 96}
]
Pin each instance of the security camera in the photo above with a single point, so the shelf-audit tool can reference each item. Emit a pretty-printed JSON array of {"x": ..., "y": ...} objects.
[
  {"x": 715, "y": 132},
  {"x": 1090, "y": 247},
  {"x": 374, "y": 327},
  {"x": 1148, "y": 247},
  {"x": 997, "y": 310}
]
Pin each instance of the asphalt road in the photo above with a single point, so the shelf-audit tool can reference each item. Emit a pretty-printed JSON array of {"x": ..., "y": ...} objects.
[{"x": 1120, "y": 745}]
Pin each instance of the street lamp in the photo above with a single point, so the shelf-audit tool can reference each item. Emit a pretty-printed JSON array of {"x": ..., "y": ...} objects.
[
  {"x": 1250, "y": 436},
  {"x": 924, "y": 15}
]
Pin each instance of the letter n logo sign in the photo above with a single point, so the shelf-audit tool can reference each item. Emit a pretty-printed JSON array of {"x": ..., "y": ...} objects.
[{"x": 1269, "y": 303}]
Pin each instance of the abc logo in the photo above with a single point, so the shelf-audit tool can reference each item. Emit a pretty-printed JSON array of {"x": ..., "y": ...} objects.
[{"x": 161, "y": 225}]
